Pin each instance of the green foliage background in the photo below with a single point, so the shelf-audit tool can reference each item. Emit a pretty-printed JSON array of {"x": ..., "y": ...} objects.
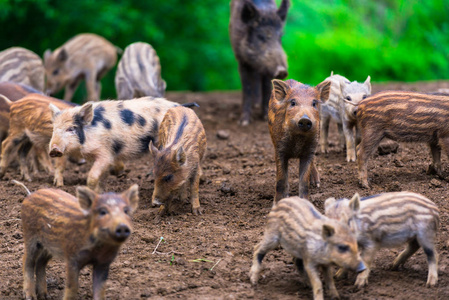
[{"x": 405, "y": 40}]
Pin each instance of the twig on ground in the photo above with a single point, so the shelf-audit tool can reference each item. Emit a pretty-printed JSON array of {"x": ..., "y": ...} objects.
[{"x": 215, "y": 265}]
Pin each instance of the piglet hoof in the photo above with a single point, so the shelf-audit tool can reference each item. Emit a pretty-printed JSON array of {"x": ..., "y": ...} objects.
[
  {"x": 244, "y": 123},
  {"x": 432, "y": 281},
  {"x": 364, "y": 184},
  {"x": 334, "y": 295},
  {"x": 198, "y": 211},
  {"x": 58, "y": 182},
  {"x": 361, "y": 282},
  {"x": 2, "y": 172}
]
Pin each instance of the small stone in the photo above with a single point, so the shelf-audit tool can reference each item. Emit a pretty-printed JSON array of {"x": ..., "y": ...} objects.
[
  {"x": 398, "y": 163},
  {"x": 223, "y": 134},
  {"x": 435, "y": 183},
  {"x": 227, "y": 189},
  {"x": 387, "y": 147}
]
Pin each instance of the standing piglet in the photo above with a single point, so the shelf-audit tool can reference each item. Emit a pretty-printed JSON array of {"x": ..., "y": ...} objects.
[
  {"x": 139, "y": 73},
  {"x": 256, "y": 29},
  {"x": 342, "y": 108},
  {"x": 86, "y": 56},
  {"x": 182, "y": 144},
  {"x": 294, "y": 122},
  {"x": 314, "y": 240},
  {"x": 86, "y": 230},
  {"x": 390, "y": 220},
  {"x": 107, "y": 132},
  {"x": 22, "y": 66},
  {"x": 403, "y": 117}
]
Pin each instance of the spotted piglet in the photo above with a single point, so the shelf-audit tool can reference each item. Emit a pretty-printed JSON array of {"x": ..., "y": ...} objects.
[
  {"x": 108, "y": 132},
  {"x": 182, "y": 143}
]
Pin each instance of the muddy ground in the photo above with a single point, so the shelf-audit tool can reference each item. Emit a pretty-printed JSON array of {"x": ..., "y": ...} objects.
[{"x": 209, "y": 256}]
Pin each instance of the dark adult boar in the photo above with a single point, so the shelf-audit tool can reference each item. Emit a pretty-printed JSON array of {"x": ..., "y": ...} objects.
[
  {"x": 256, "y": 29},
  {"x": 294, "y": 122},
  {"x": 177, "y": 169},
  {"x": 139, "y": 73},
  {"x": 86, "y": 230},
  {"x": 23, "y": 66},
  {"x": 403, "y": 117},
  {"x": 108, "y": 132},
  {"x": 86, "y": 56}
]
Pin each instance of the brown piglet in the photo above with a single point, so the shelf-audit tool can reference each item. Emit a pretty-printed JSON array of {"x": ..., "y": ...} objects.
[
  {"x": 85, "y": 56},
  {"x": 294, "y": 123},
  {"x": 403, "y": 117},
  {"x": 182, "y": 144},
  {"x": 84, "y": 230},
  {"x": 312, "y": 239}
]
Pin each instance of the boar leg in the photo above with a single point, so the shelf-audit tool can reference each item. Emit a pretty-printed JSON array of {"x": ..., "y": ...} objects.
[
  {"x": 250, "y": 79},
  {"x": 305, "y": 167},
  {"x": 59, "y": 171},
  {"x": 98, "y": 171},
  {"x": 71, "y": 88},
  {"x": 350, "y": 142},
  {"x": 324, "y": 134},
  {"x": 9, "y": 147},
  {"x": 41, "y": 282},
  {"x": 341, "y": 134},
  {"x": 314, "y": 175},
  {"x": 300, "y": 266},
  {"x": 100, "y": 274},
  {"x": 435, "y": 166},
  {"x": 24, "y": 149},
  {"x": 194, "y": 196},
  {"x": 31, "y": 252},
  {"x": 270, "y": 241},
  {"x": 266, "y": 94},
  {"x": 281, "y": 177},
  {"x": 71, "y": 286},
  {"x": 91, "y": 82},
  {"x": 330, "y": 284},
  {"x": 315, "y": 281},
  {"x": 411, "y": 248},
  {"x": 427, "y": 241},
  {"x": 98, "y": 89},
  {"x": 370, "y": 141}
]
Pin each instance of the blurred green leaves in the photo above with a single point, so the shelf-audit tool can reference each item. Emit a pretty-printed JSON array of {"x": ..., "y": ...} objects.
[{"x": 387, "y": 39}]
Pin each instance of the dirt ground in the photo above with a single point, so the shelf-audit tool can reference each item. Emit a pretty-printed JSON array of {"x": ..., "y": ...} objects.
[{"x": 209, "y": 256}]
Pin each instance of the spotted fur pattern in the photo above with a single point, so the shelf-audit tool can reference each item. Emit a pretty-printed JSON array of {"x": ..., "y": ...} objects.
[
  {"x": 86, "y": 230},
  {"x": 314, "y": 240},
  {"x": 139, "y": 73},
  {"x": 390, "y": 220}
]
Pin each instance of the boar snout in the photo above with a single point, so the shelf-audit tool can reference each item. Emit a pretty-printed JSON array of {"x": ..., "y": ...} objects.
[
  {"x": 305, "y": 124},
  {"x": 281, "y": 73},
  {"x": 122, "y": 232},
  {"x": 55, "y": 151},
  {"x": 361, "y": 267}
]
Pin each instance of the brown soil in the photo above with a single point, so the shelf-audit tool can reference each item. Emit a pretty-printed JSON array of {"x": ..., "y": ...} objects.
[{"x": 209, "y": 256}]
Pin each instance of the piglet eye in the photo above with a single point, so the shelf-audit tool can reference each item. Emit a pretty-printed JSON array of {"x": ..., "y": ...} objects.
[
  {"x": 55, "y": 72},
  {"x": 168, "y": 178},
  {"x": 348, "y": 98},
  {"x": 343, "y": 248},
  {"x": 126, "y": 210},
  {"x": 261, "y": 37},
  {"x": 103, "y": 212},
  {"x": 364, "y": 96},
  {"x": 315, "y": 103},
  {"x": 293, "y": 102},
  {"x": 71, "y": 129}
]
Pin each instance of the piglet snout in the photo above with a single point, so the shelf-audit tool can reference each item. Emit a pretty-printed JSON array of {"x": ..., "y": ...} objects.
[
  {"x": 122, "y": 232},
  {"x": 55, "y": 151},
  {"x": 305, "y": 124},
  {"x": 281, "y": 72},
  {"x": 361, "y": 267}
]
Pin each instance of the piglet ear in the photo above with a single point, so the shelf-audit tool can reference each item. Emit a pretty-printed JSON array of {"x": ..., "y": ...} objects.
[
  {"x": 180, "y": 156},
  {"x": 132, "y": 194},
  {"x": 283, "y": 9},
  {"x": 86, "y": 114},
  {"x": 85, "y": 197},
  {"x": 328, "y": 231},
  {"x": 367, "y": 84},
  {"x": 47, "y": 54},
  {"x": 280, "y": 89},
  {"x": 354, "y": 203},
  {"x": 153, "y": 149},
  {"x": 328, "y": 203},
  {"x": 324, "y": 90},
  {"x": 250, "y": 13},
  {"x": 55, "y": 111},
  {"x": 62, "y": 55}
]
